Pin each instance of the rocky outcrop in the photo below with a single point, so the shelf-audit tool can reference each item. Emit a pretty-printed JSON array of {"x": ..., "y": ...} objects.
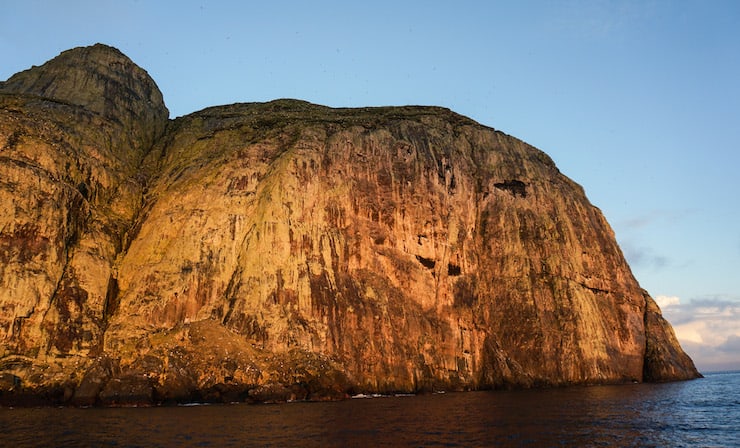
[
  {"x": 292, "y": 251},
  {"x": 103, "y": 81}
]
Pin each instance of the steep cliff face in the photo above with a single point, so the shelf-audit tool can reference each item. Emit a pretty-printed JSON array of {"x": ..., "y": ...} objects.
[
  {"x": 278, "y": 250},
  {"x": 73, "y": 133}
]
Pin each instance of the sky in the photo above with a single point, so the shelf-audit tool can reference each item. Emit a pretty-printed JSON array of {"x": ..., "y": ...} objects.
[{"x": 637, "y": 101}]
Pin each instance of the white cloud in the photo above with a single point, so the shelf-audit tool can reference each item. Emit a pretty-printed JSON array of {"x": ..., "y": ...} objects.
[
  {"x": 707, "y": 328},
  {"x": 666, "y": 301},
  {"x": 692, "y": 332}
]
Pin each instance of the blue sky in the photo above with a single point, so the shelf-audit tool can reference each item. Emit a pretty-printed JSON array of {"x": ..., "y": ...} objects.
[{"x": 638, "y": 101}]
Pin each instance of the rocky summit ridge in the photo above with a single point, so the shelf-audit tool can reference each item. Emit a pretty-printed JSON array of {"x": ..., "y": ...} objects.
[{"x": 284, "y": 250}]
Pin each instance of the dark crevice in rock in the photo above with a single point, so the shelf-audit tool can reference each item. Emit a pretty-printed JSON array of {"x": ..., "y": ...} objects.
[
  {"x": 594, "y": 290},
  {"x": 230, "y": 294},
  {"x": 515, "y": 187},
  {"x": 426, "y": 262},
  {"x": 111, "y": 299},
  {"x": 646, "y": 367},
  {"x": 13, "y": 140},
  {"x": 453, "y": 269}
]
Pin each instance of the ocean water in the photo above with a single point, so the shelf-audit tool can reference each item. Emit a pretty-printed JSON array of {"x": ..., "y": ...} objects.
[{"x": 699, "y": 413}]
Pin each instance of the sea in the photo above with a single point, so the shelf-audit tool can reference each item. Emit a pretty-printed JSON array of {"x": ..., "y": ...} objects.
[{"x": 698, "y": 413}]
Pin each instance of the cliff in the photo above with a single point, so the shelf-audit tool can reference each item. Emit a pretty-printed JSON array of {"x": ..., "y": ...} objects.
[{"x": 292, "y": 251}]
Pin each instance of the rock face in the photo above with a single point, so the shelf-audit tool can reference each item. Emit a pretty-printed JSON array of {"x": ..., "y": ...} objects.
[{"x": 292, "y": 251}]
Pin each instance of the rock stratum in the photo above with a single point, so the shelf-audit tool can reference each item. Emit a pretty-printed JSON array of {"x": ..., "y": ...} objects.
[{"x": 285, "y": 250}]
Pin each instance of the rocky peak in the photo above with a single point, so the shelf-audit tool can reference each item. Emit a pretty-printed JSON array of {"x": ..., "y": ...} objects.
[{"x": 102, "y": 80}]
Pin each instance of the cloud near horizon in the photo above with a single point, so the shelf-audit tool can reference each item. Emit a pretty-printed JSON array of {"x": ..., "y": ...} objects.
[{"x": 708, "y": 329}]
